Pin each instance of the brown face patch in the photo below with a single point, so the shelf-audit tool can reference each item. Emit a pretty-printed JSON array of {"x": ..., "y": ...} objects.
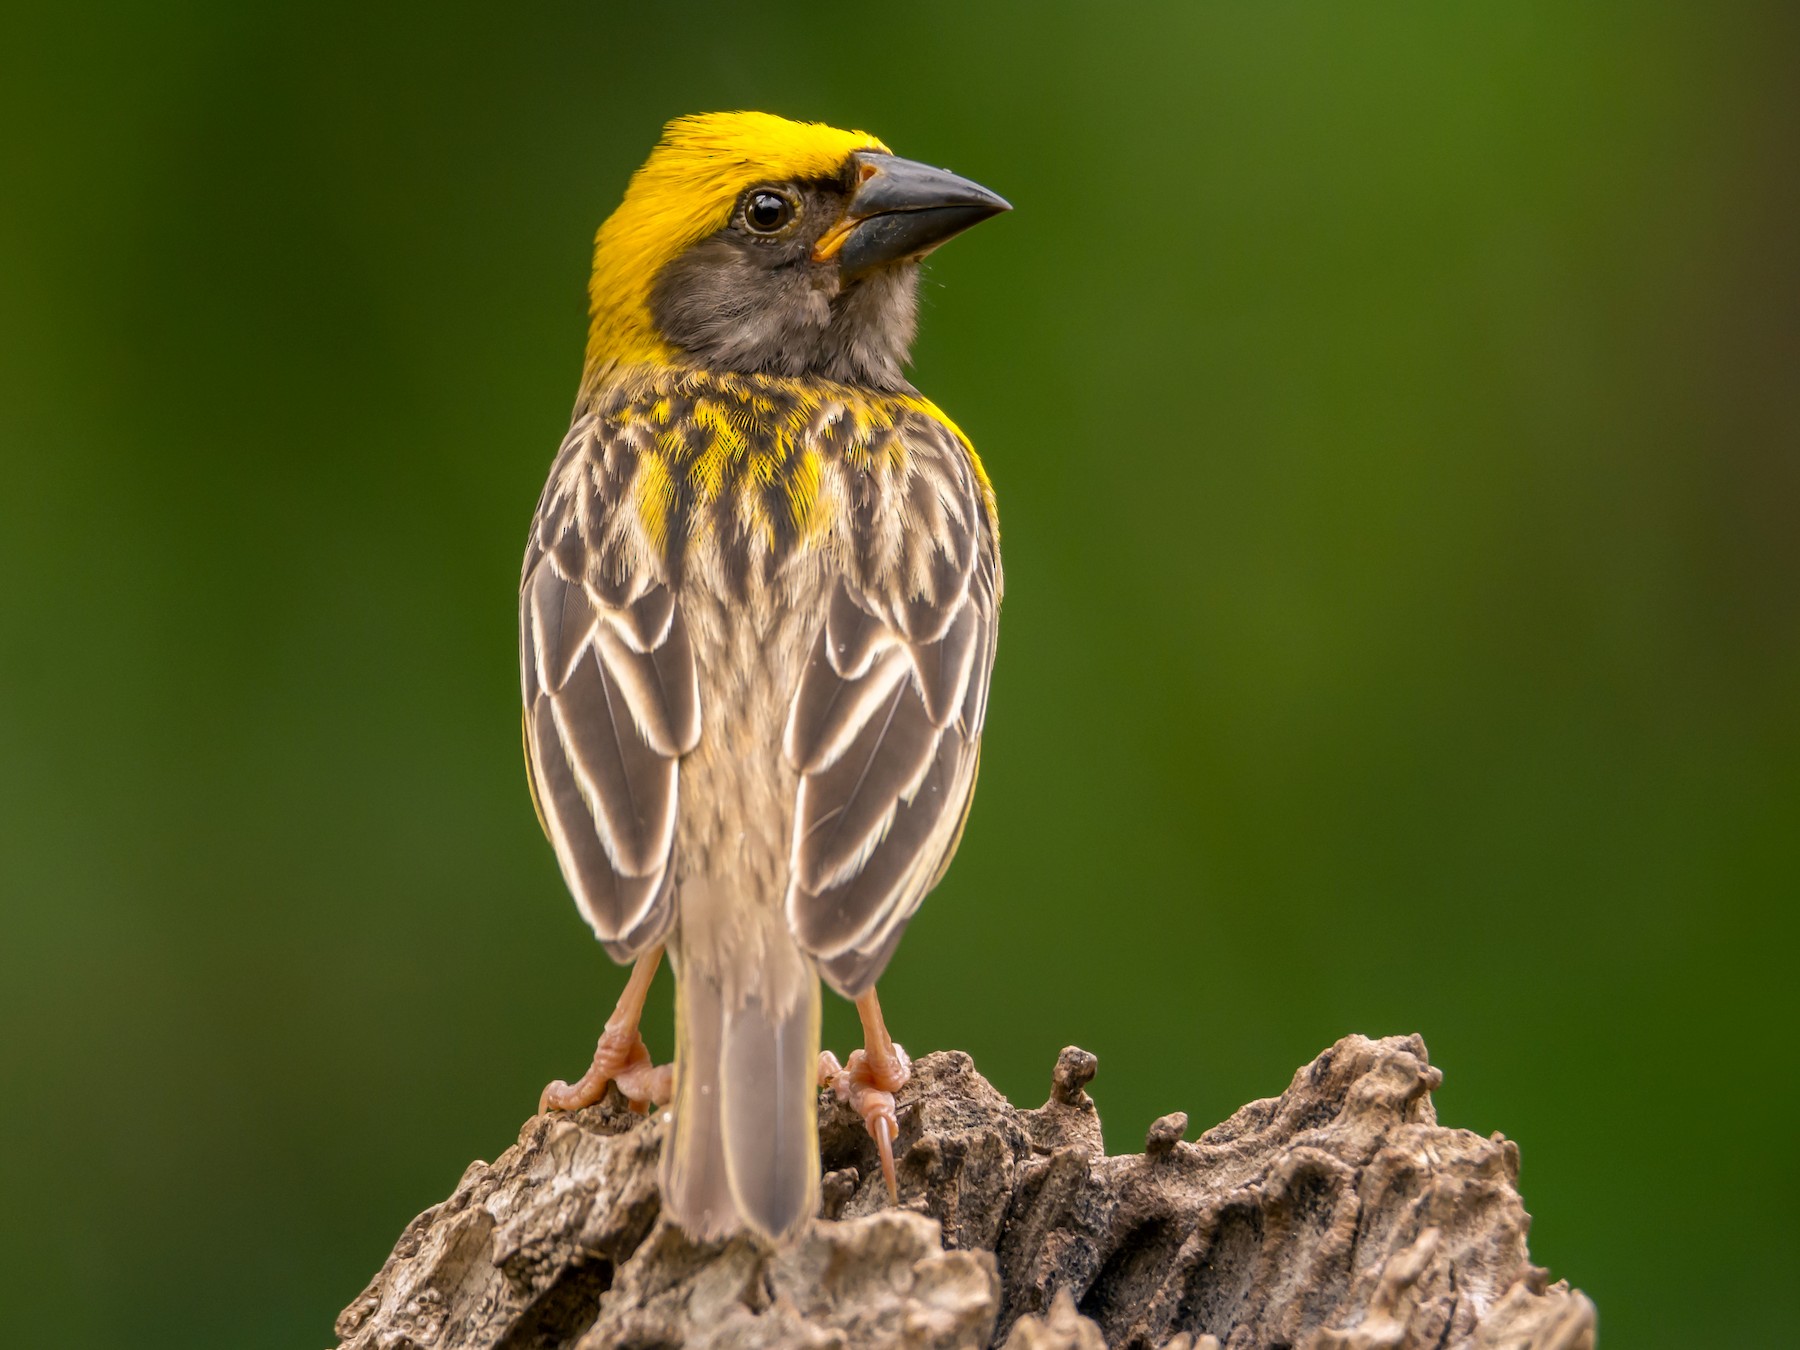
[{"x": 750, "y": 299}]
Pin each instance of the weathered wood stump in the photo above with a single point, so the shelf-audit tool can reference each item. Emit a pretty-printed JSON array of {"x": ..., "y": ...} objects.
[{"x": 1338, "y": 1216}]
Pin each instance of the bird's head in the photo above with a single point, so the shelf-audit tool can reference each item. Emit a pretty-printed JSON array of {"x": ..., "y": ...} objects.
[{"x": 748, "y": 242}]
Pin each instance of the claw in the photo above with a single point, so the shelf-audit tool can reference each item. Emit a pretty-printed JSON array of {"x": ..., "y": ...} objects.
[
  {"x": 886, "y": 1129},
  {"x": 645, "y": 1087},
  {"x": 621, "y": 1057},
  {"x": 868, "y": 1085}
]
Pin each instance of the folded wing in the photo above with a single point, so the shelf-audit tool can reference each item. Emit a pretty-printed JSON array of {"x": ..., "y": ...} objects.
[
  {"x": 885, "y": 724},
  {"x": 611, "y": 704}
]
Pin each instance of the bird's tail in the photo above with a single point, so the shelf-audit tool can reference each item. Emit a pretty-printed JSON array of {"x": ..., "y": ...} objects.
[{"x": 744, "y": 1150}]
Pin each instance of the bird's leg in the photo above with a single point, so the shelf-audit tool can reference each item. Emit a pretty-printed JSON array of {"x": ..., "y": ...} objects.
[
  {"x": 621, "y": 1056},
  {"x": 869, "y": 1081}
]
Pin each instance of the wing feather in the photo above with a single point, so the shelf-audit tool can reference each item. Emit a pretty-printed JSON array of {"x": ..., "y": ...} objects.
[
  {"x": 647, "y": 696},
  {"x": 628, "y": 786},
  {"x": 562, "y": 623},
  {"x": 611, "y": 701},
  {"x": 858, "y": 911},
  {"x": 885, "y": 722},
  {"x": 943, "y": 668},
  {"x": 845, "y": 808},
  {"x": 829, "y": 712},
  {"x": 854, "y": 636},
  {"x": 611, "y": 902}
]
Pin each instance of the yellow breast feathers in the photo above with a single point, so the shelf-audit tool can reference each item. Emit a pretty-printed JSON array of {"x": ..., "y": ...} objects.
[{"x": 767, "y": 463}]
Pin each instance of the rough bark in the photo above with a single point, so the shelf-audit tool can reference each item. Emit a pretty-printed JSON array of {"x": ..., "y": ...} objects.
[{"x": 1338, "y": 1216}]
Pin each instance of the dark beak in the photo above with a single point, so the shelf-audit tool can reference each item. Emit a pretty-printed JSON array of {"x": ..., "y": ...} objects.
[{"x": 901, "y": 210}]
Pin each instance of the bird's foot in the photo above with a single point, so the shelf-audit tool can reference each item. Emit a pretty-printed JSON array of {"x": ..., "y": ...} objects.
[
  {"x": 869, "y": 1082},
  {"x": 622, "y": 1058}
]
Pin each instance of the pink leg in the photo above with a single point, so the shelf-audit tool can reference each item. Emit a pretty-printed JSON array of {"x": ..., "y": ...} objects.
[
  {"x": 621, "y": 1056},
  {"x": 869, "y": 1081}
]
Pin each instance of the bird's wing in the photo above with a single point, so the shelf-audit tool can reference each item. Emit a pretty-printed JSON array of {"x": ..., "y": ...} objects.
[
  {"x": 611, "y": 695},
  {"x": 886, "y": 720}
]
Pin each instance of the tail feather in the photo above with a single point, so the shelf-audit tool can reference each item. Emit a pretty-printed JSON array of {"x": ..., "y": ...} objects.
[
  {"x": 695, "y": 1189},
  {"x": 744, "y": 1149}
]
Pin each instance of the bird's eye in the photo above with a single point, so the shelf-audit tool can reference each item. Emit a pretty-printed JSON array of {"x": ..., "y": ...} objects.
[{"x": 767, "y": 212}]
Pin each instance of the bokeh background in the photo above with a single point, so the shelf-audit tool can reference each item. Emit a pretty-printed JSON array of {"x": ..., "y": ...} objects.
[{"x": 1394, "y": 415}]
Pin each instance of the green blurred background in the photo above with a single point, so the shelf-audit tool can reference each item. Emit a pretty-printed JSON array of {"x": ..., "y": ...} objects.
[{"x": 1394, "y": 416}]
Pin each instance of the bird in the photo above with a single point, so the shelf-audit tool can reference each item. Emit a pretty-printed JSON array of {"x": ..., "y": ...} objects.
[{"x": 758, "y": 617}]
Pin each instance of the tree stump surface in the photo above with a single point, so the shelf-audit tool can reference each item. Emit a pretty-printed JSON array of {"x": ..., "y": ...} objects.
[{"x": 1337, "y": 1216}]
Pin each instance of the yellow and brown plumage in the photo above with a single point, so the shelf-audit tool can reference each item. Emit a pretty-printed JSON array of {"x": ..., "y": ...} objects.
[{"x": 757, "y": 620}]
